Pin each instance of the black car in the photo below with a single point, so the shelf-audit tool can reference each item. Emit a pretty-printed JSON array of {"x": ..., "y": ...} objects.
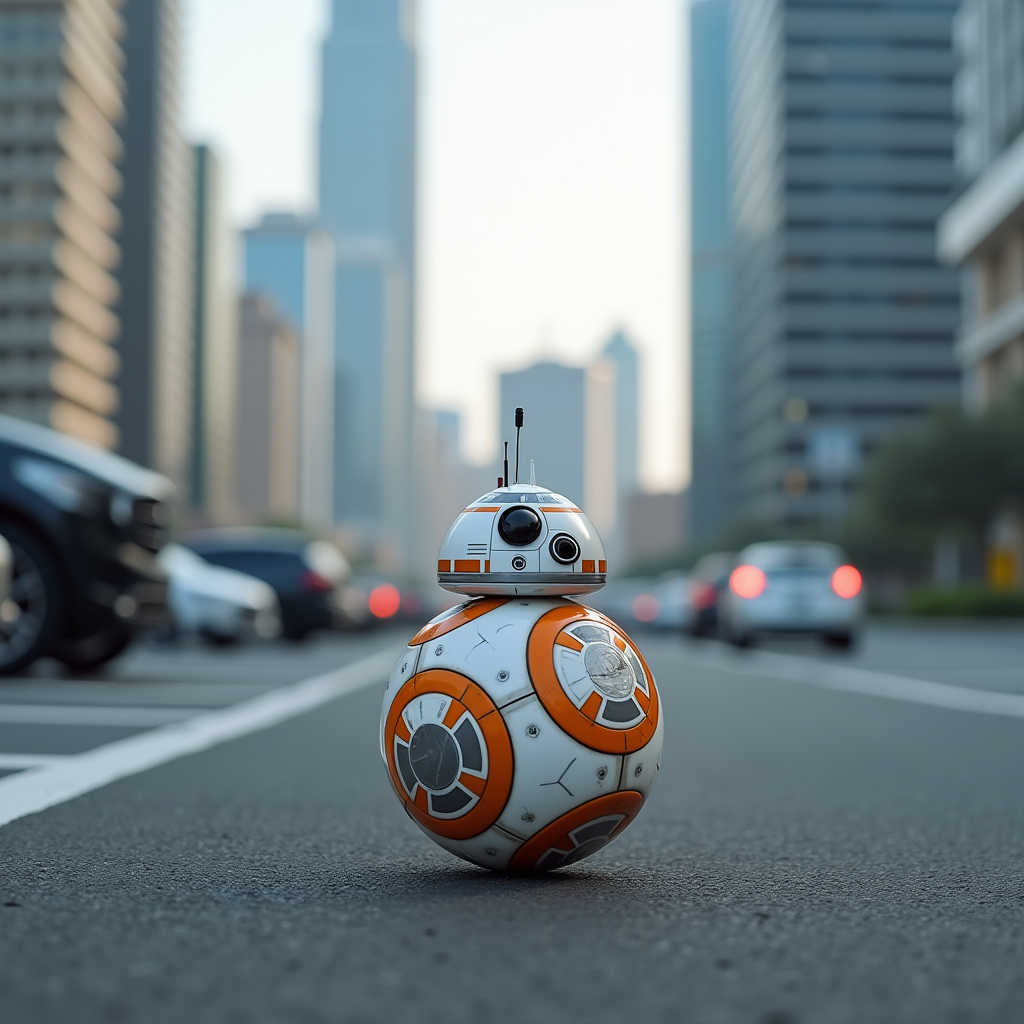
[
  {"x": 307, "y": 574},
  {"x": 84, "y": 527}
]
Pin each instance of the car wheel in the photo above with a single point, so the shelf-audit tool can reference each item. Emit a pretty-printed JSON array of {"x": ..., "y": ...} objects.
[
  {"x": 89, "y": 653},
  {"x": 741, "y": 640},
  {"x": 31, "y": 616},
  {"x": 215, "y": 639},
  {"x": 840, "y": 641}
]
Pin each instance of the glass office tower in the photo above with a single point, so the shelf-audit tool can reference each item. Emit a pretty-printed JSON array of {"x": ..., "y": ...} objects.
[
  {"x": 711, "y": 286},
  {"x": 842, "y": 158},
  {"x": 367, "y": 202}
]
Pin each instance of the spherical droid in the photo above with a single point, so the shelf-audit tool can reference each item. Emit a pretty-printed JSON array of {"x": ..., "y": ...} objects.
[{"x": 520, "y": 729}]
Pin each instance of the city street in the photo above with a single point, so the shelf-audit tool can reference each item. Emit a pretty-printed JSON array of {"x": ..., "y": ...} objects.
[{"x": 832, "y": 839}]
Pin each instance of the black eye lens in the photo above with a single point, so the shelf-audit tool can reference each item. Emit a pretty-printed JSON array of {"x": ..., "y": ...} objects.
[
  {"x": 519, "y": 526},
  {"x": 564, "y": 549}
]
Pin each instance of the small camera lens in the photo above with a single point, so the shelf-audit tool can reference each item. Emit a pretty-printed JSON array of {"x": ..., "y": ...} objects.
[
  {"x": 519, "y": 563},
  {"x": 564, "y": 549}
]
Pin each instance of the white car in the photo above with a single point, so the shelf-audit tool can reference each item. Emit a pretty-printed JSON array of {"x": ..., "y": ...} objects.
[
  {"x": 793, "y": 587},
  {"x": 222, "y": 605}
]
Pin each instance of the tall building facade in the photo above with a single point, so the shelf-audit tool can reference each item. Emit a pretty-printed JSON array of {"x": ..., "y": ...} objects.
[
  {"x": 215, "y": 333},
  {"x": 367, "y": 202},
  {"x": 983, "y": 231},
  {"x": 62, "y": 99},
  {"x": 267, "y": 425},
  {"x": 570, "y": 434},
  {"x": 292, "y": 260},
  {"x": 711, "y": 270},
  {"x": 622, "y": 353},
  {"x": 157, "y": 269},
  {"x": 842, "y": 160}
]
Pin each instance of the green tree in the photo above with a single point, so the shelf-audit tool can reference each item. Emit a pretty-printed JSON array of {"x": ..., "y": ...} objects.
[{"x": 953, "y": 476}]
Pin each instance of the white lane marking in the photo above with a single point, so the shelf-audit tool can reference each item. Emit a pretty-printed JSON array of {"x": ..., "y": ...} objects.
[
  {"x": 849, "y": 679},
  {"x": 38, "y": 788},
  {"x": 80, "y": 714},
  {"x": 30, "y": 760}
]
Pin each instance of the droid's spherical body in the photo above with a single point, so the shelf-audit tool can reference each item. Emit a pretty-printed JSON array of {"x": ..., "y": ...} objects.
[
  {"x": 523, "y": 540},
  {"x": 521, "y": 733}
]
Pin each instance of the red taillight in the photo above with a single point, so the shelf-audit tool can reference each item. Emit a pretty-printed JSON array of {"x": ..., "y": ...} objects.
[
  {"x": 747, "y": 581},
  {"x": 645, "y": 608},
  {"x": 384, "y": 601},
  {"x": 312, "y": 580},
  {"x": 703, "y": 595},
  {"x": 846, "y": 581}
]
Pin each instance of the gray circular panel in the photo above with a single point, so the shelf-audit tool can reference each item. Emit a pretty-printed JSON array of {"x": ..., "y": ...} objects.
[{"x": 434, "y": 756}]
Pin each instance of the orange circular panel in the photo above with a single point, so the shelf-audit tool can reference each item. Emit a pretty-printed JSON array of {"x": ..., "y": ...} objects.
[
  {"x": 472, "y": 757},
  {"x": 583, "y": 722},
  {"x": 581, "y": 832},
  {"x": 466, "y": 613}
]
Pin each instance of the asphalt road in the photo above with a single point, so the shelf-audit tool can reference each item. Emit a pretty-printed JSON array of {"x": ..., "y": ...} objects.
[{"x": 810, "y": 854}]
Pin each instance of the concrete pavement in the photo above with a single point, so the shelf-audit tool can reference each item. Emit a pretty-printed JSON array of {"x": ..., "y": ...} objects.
[{"x": 808, "y": 855}]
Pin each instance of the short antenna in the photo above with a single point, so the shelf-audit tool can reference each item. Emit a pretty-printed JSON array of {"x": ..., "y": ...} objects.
[
  {"x": 506, "y": 463},
  {"x": 519, "y": 426},
  {"x": 533, "y": 473}
]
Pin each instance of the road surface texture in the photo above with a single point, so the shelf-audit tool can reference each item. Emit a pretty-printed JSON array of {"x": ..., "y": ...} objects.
[{"x": 814, "y": 851}]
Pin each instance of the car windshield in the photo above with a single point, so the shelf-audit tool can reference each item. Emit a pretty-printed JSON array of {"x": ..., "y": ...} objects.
[
  {"x": 278, "y": 568},
  {"x": 794, "y": 558}
]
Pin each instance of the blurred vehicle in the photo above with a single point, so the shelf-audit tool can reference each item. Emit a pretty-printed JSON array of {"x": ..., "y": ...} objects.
[
  {"x": 618, "y": 599},
  {"x": 221, "y": 605},
  {"x": 793, "y": 587},
  {"x": 672, "y": 593},
  {"x": 84, "y": 527},
  {"x": 6, "y": 568},
  {"x": 308, "y": 575},
  {"x": 384, "y": 601},
  {"x": 709, "y": 580}
]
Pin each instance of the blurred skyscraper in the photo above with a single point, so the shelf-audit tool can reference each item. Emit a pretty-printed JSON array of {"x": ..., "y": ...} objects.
[
  {"x": 842, "y": 123},
  {"x": 367, "y": 202},
  {"x": 570, "y": 433},
  {"x": 446, "y": 483},
  {"x": 622, "y": 352},
  {"x": 267, "y": 426},
  {"x": 292, "y": 260},
  {"x": 157, "y": 272},
  {"x": 60, "y": 77},
  {"x": 711, "y": 270},
  {"x": 984, "y": 228},
  {"x": 215, "y": 366}
]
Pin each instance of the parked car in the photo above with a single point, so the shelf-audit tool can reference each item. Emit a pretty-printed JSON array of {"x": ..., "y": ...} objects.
[
  {"x": 793, "y": 587},
  {"x": 6, "y": 568},
  {"x": 308, "y": 575},
  {"x": 221, "y": 605},
  {"x": 672, "y": 593},
  {"x": 85, "y": 527},
  {"x": 709, "y": 580}
]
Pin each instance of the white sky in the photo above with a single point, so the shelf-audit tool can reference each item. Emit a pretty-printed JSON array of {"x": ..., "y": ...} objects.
[{"x": 551, "y": 186}]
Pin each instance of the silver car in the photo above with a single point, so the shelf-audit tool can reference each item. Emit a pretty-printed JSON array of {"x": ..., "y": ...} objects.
[{"x": 793, "y": 587}]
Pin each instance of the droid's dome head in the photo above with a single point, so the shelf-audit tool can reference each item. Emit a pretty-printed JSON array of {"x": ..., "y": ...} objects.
[{"x": 522, "y": 539}]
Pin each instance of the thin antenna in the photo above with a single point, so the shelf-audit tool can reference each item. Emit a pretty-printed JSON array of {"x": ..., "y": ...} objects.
[
  {"x": 533, "y": 474},
  {"x": 519, "y": 426},
  {"x": 506, "y": 463}
]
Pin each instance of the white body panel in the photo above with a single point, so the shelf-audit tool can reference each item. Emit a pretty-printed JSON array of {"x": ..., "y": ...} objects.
[{"x": 554, "y": 773}]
